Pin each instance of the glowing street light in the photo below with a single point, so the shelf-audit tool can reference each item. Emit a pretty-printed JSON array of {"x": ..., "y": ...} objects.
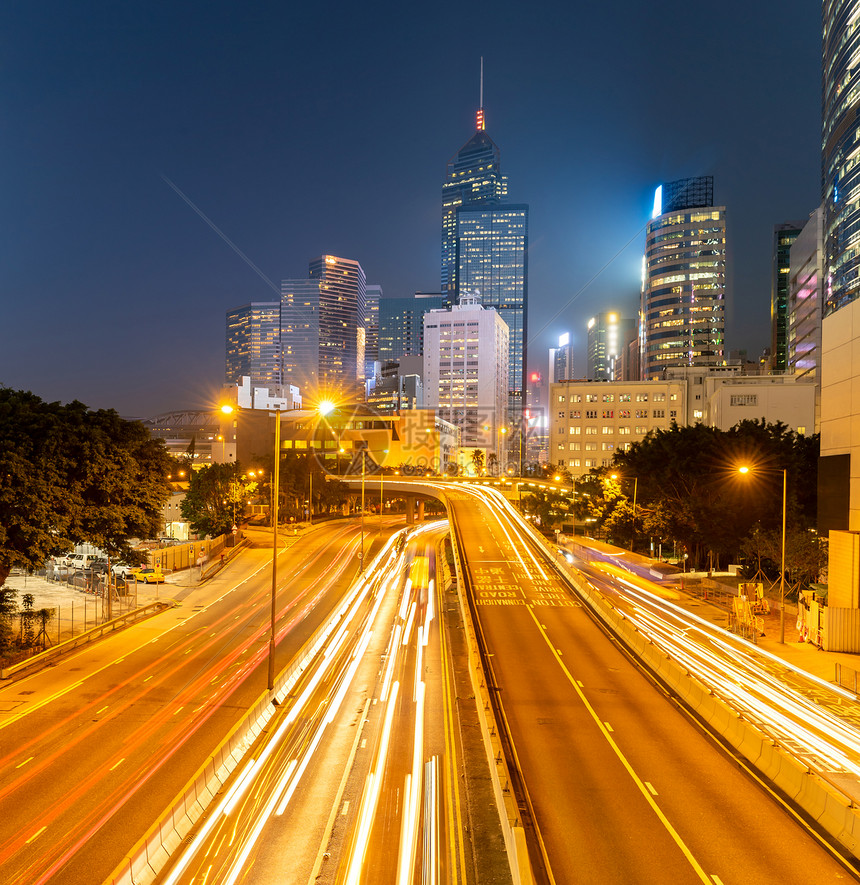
[{"x": 744, "y": 469}]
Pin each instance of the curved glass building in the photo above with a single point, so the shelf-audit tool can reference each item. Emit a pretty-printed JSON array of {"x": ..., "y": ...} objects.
[{"x": 840, "y": 150}]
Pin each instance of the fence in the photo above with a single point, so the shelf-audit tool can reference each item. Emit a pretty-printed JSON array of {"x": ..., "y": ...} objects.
[{"x": 847, "y": 678}]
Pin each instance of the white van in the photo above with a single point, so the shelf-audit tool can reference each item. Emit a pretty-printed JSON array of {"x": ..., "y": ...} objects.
[{"x": 81, "y": 560}]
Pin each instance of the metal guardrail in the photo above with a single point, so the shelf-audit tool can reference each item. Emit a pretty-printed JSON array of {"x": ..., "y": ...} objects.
[{"x": 111, "y": 626}]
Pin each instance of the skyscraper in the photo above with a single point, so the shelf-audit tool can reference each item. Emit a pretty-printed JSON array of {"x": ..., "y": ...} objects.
[
  {"x": 372, "y": 297},
  {"x": 492, "y": 262},
  {"x": 784, "y": 236},
  {"x": 561, "y": 360},
  {"x": 323, "y": 328},
  {"x": 683, "y": 312},
  {"x": 253, "y": 344},
  {"x": 839, "y": 467},
  {"x": 608, "y": 334},
  {"x": 473, "y": 176},
  {"x": 401, "y": 324},
  {"x": 485, "y": 246}
]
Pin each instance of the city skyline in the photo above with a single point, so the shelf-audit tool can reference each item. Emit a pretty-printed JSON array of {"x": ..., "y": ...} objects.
[{"x": 121, "y": 289}]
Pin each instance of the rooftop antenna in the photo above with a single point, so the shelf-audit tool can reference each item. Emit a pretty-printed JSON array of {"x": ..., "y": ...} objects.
[{"x": 480, "y": 118}]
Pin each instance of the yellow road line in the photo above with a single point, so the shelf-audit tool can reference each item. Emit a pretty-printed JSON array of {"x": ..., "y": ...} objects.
[{"x": 703, "y": 876}]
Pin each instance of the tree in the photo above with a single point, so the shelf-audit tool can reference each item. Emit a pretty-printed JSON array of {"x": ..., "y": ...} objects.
[
  {"x": 478, "y": 461},
  {"x": 69, "y": 475},
  {"x": 208, "y": 503}
]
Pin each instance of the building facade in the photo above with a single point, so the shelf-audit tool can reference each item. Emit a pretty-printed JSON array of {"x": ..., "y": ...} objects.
[
  {"x": 372, "y": 298},
  {"x": 805, "y": 305},
  {"x": 592, "y": 420},
  {"x": 492, "y": 262},
  {"x": 784, "y": 236},
  {"x": 683, "y": 310},
  {"x": 254, "y": 343},
  {"x": 561, "y": 360},
  {"x": 323, "y": 329},
  {"x": 839, "y": 467},
  {"x": 608, "y": 334},
  {"x": 401, "y": 324},
  {"x": 473, "y": 176},
  {"x": 466, "y": 371}
]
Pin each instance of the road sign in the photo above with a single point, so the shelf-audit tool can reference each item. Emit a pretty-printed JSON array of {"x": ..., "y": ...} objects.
[{"x": 234, "y": 530}]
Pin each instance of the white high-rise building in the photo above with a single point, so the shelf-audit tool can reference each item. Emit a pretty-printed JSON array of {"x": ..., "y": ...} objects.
[{"x": 466, "y": 372}]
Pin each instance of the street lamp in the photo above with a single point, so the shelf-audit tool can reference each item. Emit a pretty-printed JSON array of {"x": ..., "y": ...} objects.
[
  {"x": 744, "y": 469},
  {"x": 635, "y": 490}
]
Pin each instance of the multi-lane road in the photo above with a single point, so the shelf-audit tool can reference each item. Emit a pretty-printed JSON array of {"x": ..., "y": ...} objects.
[
  {"x": 93, "y": 750},
  {"x": 364, "y": 774},
  {"x": 624, "y": 786}
]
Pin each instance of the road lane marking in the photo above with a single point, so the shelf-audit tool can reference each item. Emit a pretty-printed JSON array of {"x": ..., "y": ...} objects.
[
  {"x": 99, "y": 712},
  {"x": 651, "y": 789},
  {"x": 117, "y": 765},
  {"x": 363, "y": 743},
  {"x": 36, "y": 835},
  {"x": 608, "y": 727},
  {"x": 345, "y": 806},
  {"x": 717, "y": 880},
  {"x": 149, "y": 677},
  {"x": 703, "y": 876},
  {"x": 22, "y": 764}
]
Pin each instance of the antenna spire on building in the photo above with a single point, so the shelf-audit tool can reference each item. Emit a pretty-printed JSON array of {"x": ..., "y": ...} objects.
[{"x": 480, "y": 119}]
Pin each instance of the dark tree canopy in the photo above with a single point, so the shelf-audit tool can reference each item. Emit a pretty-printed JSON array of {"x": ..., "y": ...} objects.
[
  {"x": 688, "y": 487},
  {"x": 70, "y": 475}
]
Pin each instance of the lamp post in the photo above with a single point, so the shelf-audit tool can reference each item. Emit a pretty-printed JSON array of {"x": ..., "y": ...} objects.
[
  {"x": 745, "y": 470},
  {"x": 635, "y": 491},
  {"x": 503, "y": 461}
]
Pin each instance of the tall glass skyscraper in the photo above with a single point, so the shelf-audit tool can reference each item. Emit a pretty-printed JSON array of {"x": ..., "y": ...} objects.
[
  {"x": 784, "y": 236},
  {"x": 253, "y": 344},
  {"x": 683, "y": 312},
  {"x": 472, "y": 176},
  {"x": 323, "y": 329},
  {"x": 839, "y": 465},
  {"x": 401, "y": 324},
  {"x": 485, "y": 249},
  {"x": 492, "y": 262},
  {"x": 840, "y": 139}
]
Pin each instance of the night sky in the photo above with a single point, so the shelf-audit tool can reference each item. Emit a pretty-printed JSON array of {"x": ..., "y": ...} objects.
[{"x": 321, "y": 128}]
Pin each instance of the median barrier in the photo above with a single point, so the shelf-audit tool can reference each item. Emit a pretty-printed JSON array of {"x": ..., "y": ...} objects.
[{"x": 819, "y": 799}]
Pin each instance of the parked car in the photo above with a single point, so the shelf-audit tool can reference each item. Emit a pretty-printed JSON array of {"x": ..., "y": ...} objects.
[
  {"x": 123, "y": 569},
  {"x": 82, "y": 560},
  {"x": 97, "y": 566},
  {"x": 148, "y": 576}
]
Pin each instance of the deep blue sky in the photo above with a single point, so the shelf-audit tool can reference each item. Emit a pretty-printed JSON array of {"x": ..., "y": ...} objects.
[{"x": 312, "y": 128}]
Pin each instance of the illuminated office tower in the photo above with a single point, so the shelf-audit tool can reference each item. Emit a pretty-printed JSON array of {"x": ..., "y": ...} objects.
[
  {"x": 561, "y": 360},
  {"x": 472, "y": 176},
  {"x": 683, "y": 310},
  {"x": 372, "y": 297},
  {"x": 253, "y": 344},
  {"x": 492, "y": 253},
  {"x": 323, "y": 331},
  {"x": 608, "y": 334},
  {"x": 401, "y": 324},
  {"x": 784, "y": 236},
  {"x": 485, "y": 246},
  {"x": 839, "y": 466}
]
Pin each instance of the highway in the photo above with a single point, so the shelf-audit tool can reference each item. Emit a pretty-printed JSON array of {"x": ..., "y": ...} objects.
[
  {"x": 624, "y": 786},
  {"x": 356, "y": 745},
  {"x": 94, "y": 749}
]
